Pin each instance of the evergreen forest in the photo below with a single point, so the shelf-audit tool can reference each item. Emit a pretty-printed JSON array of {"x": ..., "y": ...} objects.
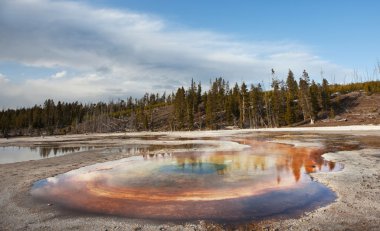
[{"x": 288, "y": 102}]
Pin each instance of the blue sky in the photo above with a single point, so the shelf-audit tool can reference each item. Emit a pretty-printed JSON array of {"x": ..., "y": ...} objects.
[
  {"x": 103, "y": 49},
  {"x": 341, "y": 31}
]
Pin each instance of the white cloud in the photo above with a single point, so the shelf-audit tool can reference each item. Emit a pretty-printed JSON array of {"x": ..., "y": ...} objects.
[
  {"x": 121, "y": 53},
  {"x": 59, "y": 75},
  {"x": 3, "y": 79}
]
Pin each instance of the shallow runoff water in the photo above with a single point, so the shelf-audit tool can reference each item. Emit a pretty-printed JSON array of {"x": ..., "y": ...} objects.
[
  {"x": 13, "y": 154},
  {"x": 264, "y": 180}
]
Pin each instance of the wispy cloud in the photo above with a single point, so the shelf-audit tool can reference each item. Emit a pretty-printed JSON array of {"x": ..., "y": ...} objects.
[{"x": 118, "y": 53}]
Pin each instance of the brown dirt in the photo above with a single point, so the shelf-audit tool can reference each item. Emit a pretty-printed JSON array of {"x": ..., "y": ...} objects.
[{"x": 353, "y": 109}]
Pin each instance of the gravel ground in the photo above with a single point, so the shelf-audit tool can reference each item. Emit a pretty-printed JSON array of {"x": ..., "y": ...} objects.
[{"x": 357, "y": 187}]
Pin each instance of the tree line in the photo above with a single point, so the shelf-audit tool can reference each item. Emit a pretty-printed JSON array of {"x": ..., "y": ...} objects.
[{"x": 287, "y": 103}]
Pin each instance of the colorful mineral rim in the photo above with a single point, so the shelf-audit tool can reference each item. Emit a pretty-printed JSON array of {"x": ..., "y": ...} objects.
[{"x": 263, "y": 181}]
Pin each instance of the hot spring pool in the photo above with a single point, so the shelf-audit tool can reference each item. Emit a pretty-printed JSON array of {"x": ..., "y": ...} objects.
[{"x": 265, "y": 180}]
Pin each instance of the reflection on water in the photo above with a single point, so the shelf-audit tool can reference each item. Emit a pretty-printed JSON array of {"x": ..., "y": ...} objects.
[
  {"x": 194, "y": 168},
  {"x": 12, "y": 154},
  {"x": 144, "y": 149},
  {"x": 262, "y": 181},
  {"x": 45, "y": 152}
]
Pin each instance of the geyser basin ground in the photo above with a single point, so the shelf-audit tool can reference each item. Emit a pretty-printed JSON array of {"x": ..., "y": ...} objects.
[
  {"x": 263, "y": 180},
  {"x": 357, "y": 185}
]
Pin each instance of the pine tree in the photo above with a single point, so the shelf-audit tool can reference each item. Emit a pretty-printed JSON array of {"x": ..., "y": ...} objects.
[
  {"x": 291, "y": 98},
  {"x": 191, "y": 99},
  {"x": 234, "y": 100},
  {"x": 325, "y": 94},
  {"x": 199, "y": 96},
  {"x": 256, "y": 104},
  {"x": 275, "y": 102},
  {"x": 281, "y": 115},
  {"x": 228, "y": 107},
  {"x": 210, "y": 110},
  {"x": 304, "y": 96},
  {"x": 180, "y": 107},
  {"x": 314, "y": 100},
  {"x": 244, "y": 105}
]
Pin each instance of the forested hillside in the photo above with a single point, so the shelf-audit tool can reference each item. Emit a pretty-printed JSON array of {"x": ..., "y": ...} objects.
[{"x": 288, "y": 103}]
